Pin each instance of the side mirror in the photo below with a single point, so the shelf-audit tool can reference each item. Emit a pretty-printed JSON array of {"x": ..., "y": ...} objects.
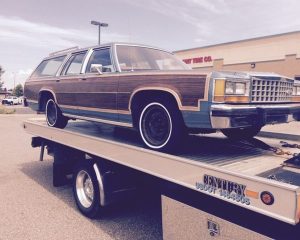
[{"x": 96, "y": 68}]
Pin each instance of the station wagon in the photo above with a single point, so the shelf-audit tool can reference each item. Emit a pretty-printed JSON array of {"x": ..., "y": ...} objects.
[{"x": 151, "y": 90}]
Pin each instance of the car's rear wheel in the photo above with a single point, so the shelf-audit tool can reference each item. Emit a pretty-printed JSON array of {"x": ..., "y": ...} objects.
[
  {"x": 241, "y": 133},
  {"x": 161, "y": 126},
  {"x": 54, "y": 115}
]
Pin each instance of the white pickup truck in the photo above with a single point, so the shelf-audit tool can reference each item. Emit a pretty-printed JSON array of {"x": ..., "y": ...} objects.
[{"x": 11, "y": 100}]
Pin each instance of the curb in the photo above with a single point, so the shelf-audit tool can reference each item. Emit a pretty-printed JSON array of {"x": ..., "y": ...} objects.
[{"x": 285, "y": 136}]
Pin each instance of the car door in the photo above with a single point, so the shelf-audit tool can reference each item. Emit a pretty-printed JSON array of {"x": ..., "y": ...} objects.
[
  {"x": 97, "y": 92},
  {"x": 66, "y": 87}
]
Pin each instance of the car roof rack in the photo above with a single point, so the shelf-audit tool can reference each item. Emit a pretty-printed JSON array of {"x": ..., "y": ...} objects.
[{"x": 64, "y": 51}]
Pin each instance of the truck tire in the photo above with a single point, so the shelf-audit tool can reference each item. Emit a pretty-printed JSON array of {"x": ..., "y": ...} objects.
[
  {"x": 241, "y": 133},
  {"x": 54, "y": 115},
  {"x": 86, "y": 189},
  {"x": 161, "y": 126}
]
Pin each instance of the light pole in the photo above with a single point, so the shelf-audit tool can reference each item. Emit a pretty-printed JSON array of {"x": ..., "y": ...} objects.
[
  {"x": 14, "y": 78},
  {"x": 99, "y": 24}
]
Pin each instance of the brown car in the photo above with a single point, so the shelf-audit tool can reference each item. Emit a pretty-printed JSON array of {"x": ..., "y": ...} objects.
[{"x": 150, "y": 89}]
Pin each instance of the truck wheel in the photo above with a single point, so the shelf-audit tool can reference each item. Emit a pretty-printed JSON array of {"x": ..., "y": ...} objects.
[
  {"x": 54, "y": 115},
  {"x": 161, "y": 126},
  {"x": 241, "y": 133},
  {"x": 86, "y": 189}
]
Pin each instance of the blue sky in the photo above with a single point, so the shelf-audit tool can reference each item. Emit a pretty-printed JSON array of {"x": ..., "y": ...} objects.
[{"x": 31, "y": 29}]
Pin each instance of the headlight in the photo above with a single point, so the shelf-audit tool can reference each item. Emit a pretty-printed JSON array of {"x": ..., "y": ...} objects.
[
  {"x": 235, "y": 88},
  {"x": 296, "y": 91},
  {"x": 231, "y": 90}
]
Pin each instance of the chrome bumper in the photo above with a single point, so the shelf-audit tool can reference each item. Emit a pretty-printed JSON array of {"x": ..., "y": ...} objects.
[{"x": 234, "y": 116}]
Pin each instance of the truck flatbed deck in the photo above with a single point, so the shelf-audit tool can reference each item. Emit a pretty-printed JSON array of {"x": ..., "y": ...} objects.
[
  {"x": 208, "y": 164},
  {"x": 212, "y": 149}
]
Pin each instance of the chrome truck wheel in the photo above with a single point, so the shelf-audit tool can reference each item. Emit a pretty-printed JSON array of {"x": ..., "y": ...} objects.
[{"x": 86, "y": 189}]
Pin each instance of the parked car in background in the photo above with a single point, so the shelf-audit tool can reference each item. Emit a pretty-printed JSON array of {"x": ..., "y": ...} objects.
[
  {"x": 11, "y": 100},
  {"x": 21, "y": 100},
  {"x": 153, "y": 91}
]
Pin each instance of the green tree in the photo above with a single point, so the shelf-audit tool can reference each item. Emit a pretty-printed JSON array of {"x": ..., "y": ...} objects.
[
  {"x": 1, "y": 72},
  {"x": 18, "y": 91}
]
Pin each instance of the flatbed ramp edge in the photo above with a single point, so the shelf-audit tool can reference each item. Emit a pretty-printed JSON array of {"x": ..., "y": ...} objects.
[{"x": 200, "y": 177}]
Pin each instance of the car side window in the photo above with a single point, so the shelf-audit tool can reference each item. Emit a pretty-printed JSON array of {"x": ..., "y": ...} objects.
[
  {"x": 74, "y": 64},
  {"x": 48, "y": 67},
  {"x": 101, "y": 56}
]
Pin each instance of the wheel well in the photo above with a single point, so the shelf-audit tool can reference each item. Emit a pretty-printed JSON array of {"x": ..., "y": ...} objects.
[
  {"x": 44, "y": 96},
  {"x": 145, "y": 96}
]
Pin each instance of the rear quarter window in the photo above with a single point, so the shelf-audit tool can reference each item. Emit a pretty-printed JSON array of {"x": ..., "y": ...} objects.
[{"x": 49, "y": 67}]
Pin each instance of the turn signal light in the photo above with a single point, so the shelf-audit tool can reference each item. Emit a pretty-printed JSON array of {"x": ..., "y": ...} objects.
[{"x": 219, "y": 93}]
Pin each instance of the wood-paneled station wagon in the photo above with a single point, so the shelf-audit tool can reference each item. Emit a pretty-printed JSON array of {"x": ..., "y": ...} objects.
[{"x": 151, "y": 90}]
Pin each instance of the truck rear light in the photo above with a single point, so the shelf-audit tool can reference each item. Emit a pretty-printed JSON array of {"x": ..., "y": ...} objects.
[{"x": 267, "y": 198}]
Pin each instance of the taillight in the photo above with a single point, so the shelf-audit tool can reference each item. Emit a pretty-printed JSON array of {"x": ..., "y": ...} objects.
[{"x": 267, "y": 198}]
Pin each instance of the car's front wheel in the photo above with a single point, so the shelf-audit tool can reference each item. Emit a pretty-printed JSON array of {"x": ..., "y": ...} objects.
[
  {"x": 241, "y": 133},
  {"x": 54, "y": 115},
  {"x": 161, "y": 126}
]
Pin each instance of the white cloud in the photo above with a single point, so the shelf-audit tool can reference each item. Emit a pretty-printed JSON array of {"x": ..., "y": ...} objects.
[
  {"x": 16, "y": 33},
  {"x": 25, "y": 72},
  {"x": 196, "y": 13},
  {"x": 22, "y": 32}
]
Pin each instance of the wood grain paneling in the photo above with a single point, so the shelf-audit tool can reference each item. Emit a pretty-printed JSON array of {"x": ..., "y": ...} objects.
[
  {"x": 114, "y": 91},
  {"x": 189, "y": 88}
]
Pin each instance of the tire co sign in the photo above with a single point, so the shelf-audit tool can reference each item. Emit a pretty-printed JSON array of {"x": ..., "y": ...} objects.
[{"x": 198, "y": 60}]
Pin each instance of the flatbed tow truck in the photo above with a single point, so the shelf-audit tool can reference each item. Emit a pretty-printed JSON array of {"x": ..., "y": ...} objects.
[{"x": 212, "y": 188}]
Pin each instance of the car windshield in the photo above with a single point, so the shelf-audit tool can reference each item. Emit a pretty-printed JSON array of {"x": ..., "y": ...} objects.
[{"x": 134, "y": 58}]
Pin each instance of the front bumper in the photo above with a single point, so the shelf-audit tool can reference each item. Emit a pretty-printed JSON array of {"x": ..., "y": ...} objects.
[{"x": 234, "y": 116}]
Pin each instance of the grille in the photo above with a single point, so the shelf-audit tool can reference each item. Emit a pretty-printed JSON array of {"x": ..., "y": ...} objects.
[{"x": 271, "y": 90}]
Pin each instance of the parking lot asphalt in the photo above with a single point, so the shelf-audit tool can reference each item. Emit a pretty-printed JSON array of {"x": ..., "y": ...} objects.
[
  {"x": 31, "y": 208},
  {"x": 290, "y": 131}
]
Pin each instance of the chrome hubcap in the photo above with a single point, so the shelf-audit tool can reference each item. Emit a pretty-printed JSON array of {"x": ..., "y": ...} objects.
[{"x": 84, "y": 189}]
